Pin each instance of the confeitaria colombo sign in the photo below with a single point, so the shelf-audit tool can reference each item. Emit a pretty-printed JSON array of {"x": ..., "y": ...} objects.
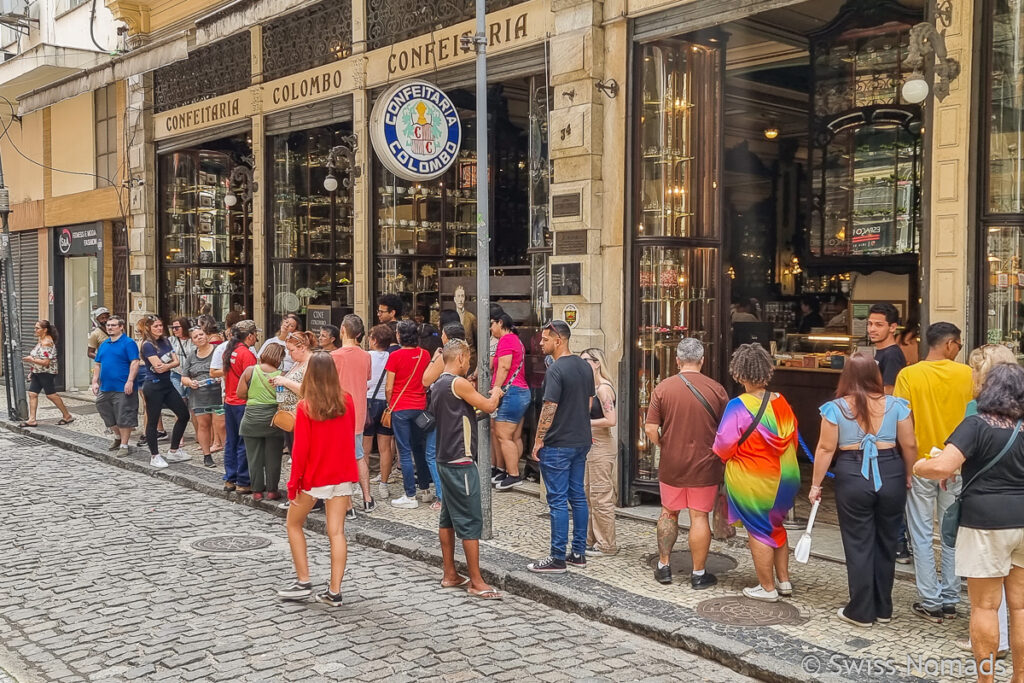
[{"x": 415, "y": 130}]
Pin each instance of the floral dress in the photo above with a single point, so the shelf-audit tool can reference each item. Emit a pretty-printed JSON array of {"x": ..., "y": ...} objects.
[{"x": 291, "y": 399}]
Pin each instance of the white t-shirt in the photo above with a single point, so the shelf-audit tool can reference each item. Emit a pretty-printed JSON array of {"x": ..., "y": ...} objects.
[
  {"x": 378, "y": 360},
  {"x": 287, "y": 364}
]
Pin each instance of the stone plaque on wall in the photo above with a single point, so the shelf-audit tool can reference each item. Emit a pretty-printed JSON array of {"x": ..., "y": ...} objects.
[
  {"x": 565, "y": 205},
  {"x": 571, "y": 243},
  {"x": 566, "y": 279}
]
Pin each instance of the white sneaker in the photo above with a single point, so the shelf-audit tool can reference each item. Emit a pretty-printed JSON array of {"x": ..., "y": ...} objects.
[
  {"x": 759, "y": 593},
  {"x": 405, "y": 502},
  {"x": 180, "y": 455},
  {"x": 375, "y": 479},
  {"x": 785, "y": 588},
  {"x": 382, "y": 491},
  {"x": 157, "y": 461}
]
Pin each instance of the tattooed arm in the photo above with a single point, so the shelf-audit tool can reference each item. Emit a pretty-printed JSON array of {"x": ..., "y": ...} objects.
[
  {"x": 606, "y": 398},
  {"x": 547, "y": 416}
]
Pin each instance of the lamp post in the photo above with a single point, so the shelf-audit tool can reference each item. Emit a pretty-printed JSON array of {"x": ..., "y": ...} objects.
[{"x": 17, "y": 408}]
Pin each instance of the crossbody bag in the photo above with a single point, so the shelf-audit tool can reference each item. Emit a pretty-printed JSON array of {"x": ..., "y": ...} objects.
[
  {"x": 757, "y": 420},
  {"x": 951, "y": 520},
  {"x": 700, "y": 397}
]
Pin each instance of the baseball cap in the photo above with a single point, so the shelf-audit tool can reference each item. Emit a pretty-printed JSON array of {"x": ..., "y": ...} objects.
[
  {"x": 559, "y": 327},
  {"x": 246, "y": 326}
]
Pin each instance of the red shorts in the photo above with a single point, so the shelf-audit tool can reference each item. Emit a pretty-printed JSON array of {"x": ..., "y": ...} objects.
[{"x": 701, "y": 498}]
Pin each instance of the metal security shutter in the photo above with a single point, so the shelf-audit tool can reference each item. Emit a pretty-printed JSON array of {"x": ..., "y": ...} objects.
[
  {"x": 700, "y": 14},
  {"x": 319, "y": 114},
  {"x": 25, "y": 250}
]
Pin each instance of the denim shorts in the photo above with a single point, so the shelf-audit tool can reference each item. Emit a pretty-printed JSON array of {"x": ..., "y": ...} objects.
[
  {"x": 513, "y": 405},
  {"x": 375, "y": 408}
]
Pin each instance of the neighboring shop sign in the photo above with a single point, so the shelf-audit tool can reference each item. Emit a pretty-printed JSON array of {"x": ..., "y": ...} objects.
[
  {"x": 317, "y": 316},
  {"x": 415, "y": 130},
  {"x": 79, "y": 240}
]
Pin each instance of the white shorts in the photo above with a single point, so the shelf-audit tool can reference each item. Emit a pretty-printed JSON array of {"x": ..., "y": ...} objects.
[
  {"x": 988, "y": 553},
  {"x": 333, "y": 491}
]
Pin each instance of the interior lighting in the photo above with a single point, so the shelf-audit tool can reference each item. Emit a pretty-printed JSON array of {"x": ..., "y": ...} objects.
[
  {"x": 771, "y": 132},
  {"x": 915, "y": 89},
  {"x": 230, "y": 199},
  {"x": 330, "y": 183}
]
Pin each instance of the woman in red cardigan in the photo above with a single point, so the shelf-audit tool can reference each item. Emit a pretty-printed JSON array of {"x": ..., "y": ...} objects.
[{"x": 323, "y": 467}]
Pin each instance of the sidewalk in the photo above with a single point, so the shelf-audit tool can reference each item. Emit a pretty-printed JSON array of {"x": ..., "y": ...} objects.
[{"x": 800, "y": 638}]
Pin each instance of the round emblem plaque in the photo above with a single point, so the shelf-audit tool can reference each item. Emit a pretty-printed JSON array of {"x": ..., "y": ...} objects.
[{"x": 415, "y": 130}]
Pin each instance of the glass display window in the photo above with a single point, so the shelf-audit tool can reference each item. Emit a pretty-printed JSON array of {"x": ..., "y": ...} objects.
[
  {"x": 1004, "y": 297},
  {"x": 205, "y": 247},
  {"x": 1005, "y": 162},
  {"x": 310, "y": 238}
]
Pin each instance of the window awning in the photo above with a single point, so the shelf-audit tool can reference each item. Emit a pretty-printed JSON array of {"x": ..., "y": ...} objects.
[{"x": 146, "y": 58}]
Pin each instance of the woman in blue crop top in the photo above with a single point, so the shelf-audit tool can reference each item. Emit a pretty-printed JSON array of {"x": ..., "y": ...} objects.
[{"x": 860, "y": 429}]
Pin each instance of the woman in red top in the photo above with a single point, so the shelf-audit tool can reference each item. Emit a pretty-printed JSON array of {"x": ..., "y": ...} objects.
[
  {"x": 323, "y": 468},
  {"x": 407, "y": 398}
]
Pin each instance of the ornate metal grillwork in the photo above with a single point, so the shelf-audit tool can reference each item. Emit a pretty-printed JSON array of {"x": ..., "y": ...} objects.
[
  {"x": 313, "y": 36},
  {"x": 225, "y": 66},
  {"x": 392, "y": 21}
]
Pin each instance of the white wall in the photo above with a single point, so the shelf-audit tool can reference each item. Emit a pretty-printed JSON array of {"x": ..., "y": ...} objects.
[{"x": 59, "y": 26}]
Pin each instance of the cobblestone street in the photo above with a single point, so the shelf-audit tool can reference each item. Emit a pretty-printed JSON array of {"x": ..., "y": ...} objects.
[{"x": 100, "y": 580}]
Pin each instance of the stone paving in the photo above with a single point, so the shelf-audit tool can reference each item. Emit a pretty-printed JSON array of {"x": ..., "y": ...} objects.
[
  {"x": 521, "y": 531},
  {"x": 100, "y": 580}
]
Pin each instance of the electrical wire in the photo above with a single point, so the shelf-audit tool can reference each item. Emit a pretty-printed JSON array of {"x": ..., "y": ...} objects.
[{"x": 92, "y": 28}]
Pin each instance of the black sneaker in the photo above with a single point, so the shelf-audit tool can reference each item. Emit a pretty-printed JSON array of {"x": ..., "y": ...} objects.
[
  {"x": 548, "y": 565},
  {"x": 903, "y": 554},
  {"x": 117, "y": 444},
  {"x": 949, "y": 611},
  {"x": 574, "y": 560},
  {"x": 161, "y": 436},
  {"x": 705, "y": 580},
  {"x": 208, "y": 461},
  {"x": 351, "y": 514},
  {"x": 932, "y": 615},
  {"x": 329, "y": 598},
  {"x": 142, "y": 442},
  {"x": 497, "y": 475},
  {"x": 508, "y": 482},
  {"x": 318, "y": 505},
  {"x": 663, "y": 575},
  {"x": 297, "y": 591},
  {"x": 369, "y": 507}
]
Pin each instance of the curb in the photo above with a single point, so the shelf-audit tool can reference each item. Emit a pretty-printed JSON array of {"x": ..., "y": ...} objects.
[{"x": 762, "y": 656}]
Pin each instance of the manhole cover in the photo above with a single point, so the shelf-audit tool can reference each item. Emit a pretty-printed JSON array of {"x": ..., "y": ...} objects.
[
  {"x": 682, "y": 563},
  {"x": 230, "y": 544},
  {"x": 25, "y": 441},
  {"x": 742, "y": 611}
]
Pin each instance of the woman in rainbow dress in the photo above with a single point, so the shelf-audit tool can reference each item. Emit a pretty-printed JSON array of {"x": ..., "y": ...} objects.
[{"x": 757, "y": 440}]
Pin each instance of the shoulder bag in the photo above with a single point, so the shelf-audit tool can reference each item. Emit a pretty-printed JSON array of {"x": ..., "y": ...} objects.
[
  {"x": 700, "y": 397},
  {"x": 757, "y": 420},
  {"x": 376, "y": 390},
  {"x": 951, "y": 520},
  {"x": 385, "y": 418}
]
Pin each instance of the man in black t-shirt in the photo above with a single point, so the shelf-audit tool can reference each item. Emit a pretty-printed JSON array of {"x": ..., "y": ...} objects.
[
  {"x": 563, "y": 441},
  {"x": 883, "y": 319}
]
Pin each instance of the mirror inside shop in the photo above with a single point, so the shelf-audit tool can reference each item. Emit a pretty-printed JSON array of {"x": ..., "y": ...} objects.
[{"x": 777, "y": 195}]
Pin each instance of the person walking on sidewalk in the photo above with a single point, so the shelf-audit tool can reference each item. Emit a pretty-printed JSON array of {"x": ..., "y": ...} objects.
[
  {"x": 381, "y": 338},
  {"x": 406, "y": 399},
  {"x": 938, "y": 390},
  {"x": 599, "y": 476},
  {"x": 757, "y": 440},
  {"x": 43, "y": 363},
  {"x": 99, "y": 332},
  {"x": 872, "y": 477},
  {"x": 355, "y": 368},
  {"x": 205, "y": 397},
  {"x": 453, "y": 400},
  {"x": 989, "y": 448},
  {"x": 264, "y": 442},
  {"x": 323, "y": 468},
  {"x": 159, "y": 392},
  {"x": 681, "y": 421},
  {"x": 113, "y": 384},
  {"x": 507, "y": 372},
  {"x": 236, "y": 358},
  {"x": 561, "y": 445}
]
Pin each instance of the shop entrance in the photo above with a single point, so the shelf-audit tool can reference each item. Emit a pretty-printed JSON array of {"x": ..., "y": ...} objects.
[
  {"x": 802, "y": 211},
  {"x": 81, "y": 298}
]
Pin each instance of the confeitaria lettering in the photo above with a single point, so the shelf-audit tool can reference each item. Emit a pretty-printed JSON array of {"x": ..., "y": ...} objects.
[
  {"x": 197, "y": 116},
  {"x": 307, "y": 87},
  {"x": 445, "y": 48}
]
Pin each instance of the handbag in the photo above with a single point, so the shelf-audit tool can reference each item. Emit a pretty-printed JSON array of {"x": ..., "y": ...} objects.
[
  {"x": 385, "y": 419},
  {"x": 426, "y": 421},
  {"x": 284, "y": 421},
  {"x": 951, "y": 519},
  {"x": 368, "y": 426}
]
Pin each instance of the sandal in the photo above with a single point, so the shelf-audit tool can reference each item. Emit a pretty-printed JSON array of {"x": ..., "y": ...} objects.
[
  {"x": 436, "y": 505},
  {"x": 62, "y": 421},
  {"x": 28, "y": 424},
  {"x": 460, "y": 584},
  {"x": 488, "y": 594}
]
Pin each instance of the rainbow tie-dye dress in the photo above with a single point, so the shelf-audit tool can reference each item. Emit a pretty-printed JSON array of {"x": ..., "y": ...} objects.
[{"x": 762, "y": 477}]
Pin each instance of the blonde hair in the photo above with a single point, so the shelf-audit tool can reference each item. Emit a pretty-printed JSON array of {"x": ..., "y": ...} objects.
[
  {"x": 602, "y": 363},
  {"x": 984, "y": 358}
]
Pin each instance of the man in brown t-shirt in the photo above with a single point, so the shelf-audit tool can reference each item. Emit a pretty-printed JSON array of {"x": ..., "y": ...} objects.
[{"x": 682, "y": 420}]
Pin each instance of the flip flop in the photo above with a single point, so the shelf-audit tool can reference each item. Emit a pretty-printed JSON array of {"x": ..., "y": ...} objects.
[
  {"x": 62, "y": 421},
  {"x": 28, "y": 424},
  {"x": 460, "y": 584},
  {"x": 489, "y": 594}
]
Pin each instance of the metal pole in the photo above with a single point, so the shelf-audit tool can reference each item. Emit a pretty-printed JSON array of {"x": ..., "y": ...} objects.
[
  {"x": 483, "y": 263},
  {"x": 17, "y": 408}
]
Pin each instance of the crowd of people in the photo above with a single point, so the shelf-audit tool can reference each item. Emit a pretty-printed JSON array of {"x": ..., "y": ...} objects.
[{"x": 910, "y": 445}]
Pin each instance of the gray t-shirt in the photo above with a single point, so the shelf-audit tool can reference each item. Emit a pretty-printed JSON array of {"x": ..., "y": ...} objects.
[
  {"x": 208, "y": 395},
  {"x": 569, "y": 382}
]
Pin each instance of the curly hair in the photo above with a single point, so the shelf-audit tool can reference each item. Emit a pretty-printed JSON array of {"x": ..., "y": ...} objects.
[
  {"x": 1003, "y": 392},
  {"x": 751, "y": 363}
]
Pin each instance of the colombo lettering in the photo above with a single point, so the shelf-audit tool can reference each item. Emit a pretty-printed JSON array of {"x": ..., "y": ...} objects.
[
  {"x": 318, "y": 84},
  {"x": 198, "y": 116},
  {"x": 445, "y": 48}
]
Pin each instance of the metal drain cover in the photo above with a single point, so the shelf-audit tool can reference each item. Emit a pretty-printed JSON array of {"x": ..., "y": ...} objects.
[
  {"x": 742, "y": 611},
  {"x": 230, "y": 544},
  {"x": 27, "y": 441},
  {"x": 682, "y": 563}
]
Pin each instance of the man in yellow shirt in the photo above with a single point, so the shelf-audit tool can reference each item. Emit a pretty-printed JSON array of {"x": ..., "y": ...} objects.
[{"x": 938, "y": 390}]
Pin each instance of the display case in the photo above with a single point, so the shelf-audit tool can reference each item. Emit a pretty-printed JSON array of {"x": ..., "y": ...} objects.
[
  {"x": 310, "y": 239},
  {"x": 1004, "y": 296},
  {"x": 1005, "y": 158},
  {"x": 205, "y": 246},
  {"x": 676, "y": 247},
  {"x": 866, "y": 144}
]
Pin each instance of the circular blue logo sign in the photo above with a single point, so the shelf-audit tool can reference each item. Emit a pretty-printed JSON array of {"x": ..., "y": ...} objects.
[{"x": 415, "y": 130}]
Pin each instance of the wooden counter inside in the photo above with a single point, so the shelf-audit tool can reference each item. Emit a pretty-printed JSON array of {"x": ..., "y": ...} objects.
[{"x": 807, "y": 389}]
